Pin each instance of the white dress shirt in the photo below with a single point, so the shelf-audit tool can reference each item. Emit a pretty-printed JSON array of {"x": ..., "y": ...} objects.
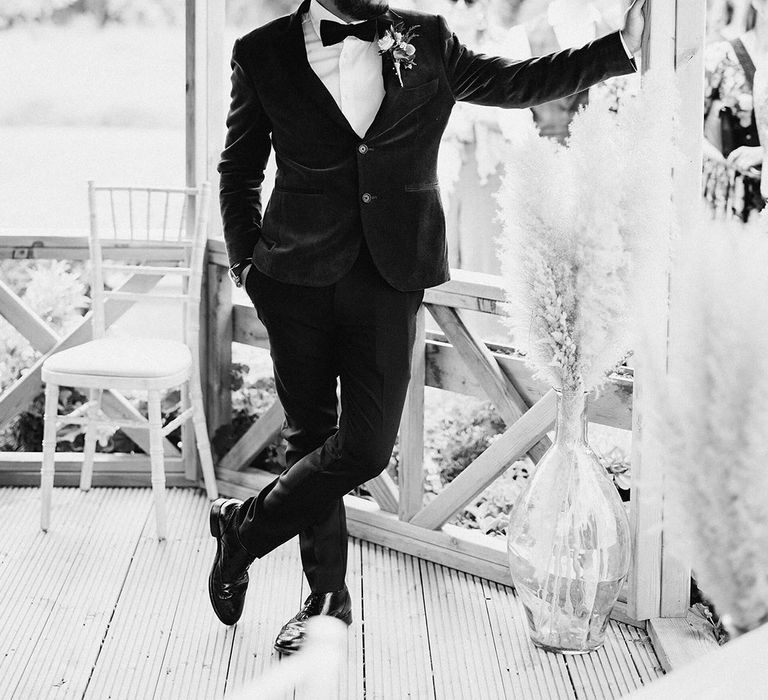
[{"x": 350, "y": 70}]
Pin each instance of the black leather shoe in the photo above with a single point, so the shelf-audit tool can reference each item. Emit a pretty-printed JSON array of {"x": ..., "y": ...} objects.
[
  {"x": 228, "y": 580},
  {"x": 336, "y": 604}
]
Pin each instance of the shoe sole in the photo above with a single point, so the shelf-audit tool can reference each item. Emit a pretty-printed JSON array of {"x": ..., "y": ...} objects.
[
  {"x": 346, "y": 618},
  {"x": 214, "y": 517}
]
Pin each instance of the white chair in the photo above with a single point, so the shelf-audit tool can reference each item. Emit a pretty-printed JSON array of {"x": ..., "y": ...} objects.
[{"x": 176, "y": 227}]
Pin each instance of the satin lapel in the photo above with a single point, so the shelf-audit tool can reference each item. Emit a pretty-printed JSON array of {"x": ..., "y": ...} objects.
[
  {"x": 391, "y": 104},
  {"x": 305, "y": 78}
]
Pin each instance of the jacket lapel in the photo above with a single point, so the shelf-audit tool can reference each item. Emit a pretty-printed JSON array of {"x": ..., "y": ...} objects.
[
  {"x": 306, "y": 79},
  {"x": 392, "y": 108},
  {"x": 396, "y": 103}
]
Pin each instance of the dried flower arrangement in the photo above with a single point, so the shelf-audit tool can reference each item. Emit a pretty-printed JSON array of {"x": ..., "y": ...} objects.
[
  {"x": 580, "y": 224},
  {"x": 710, "y": 424}
]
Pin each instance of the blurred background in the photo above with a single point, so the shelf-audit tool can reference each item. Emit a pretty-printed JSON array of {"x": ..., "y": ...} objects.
[{"x": 95, "y": 89}]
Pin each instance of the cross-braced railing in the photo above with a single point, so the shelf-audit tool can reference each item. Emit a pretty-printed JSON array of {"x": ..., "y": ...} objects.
[{"x": 454, "y": 358}]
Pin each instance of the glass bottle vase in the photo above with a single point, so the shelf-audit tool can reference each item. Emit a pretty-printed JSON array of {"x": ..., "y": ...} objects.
[{"x": 568, "y": 539}]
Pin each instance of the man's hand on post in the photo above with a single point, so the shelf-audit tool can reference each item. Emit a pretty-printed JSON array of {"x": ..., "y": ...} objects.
[{"x": 634, "y": 23}]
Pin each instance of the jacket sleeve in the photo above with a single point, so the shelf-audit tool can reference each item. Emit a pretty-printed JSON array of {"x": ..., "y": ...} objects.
[
  {"x": 503, "y": 82},
  {"x": 246, "y": 151}
]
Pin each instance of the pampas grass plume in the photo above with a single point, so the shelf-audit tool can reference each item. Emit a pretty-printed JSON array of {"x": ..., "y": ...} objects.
[
  {"x": 711, "y": 426},
  {"x": 577, "y": 223}
]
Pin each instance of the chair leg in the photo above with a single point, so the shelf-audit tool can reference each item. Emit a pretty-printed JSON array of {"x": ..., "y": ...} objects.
[
  {"x": 188, "y": 454},
  {"x": 49, "y": 453},
  {"x": 201, "y": 435},
  {"x": 89, "y": 451},
  {"x": 158, "y": 463}
]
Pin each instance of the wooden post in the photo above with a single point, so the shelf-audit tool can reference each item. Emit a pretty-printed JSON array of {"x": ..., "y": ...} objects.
[
  {"x": 205, "y": 120},
  {"x": 219, "y": 354},
  {"x": 412, "y": 429},
  {"x": 644, "y": 598},
  {"x": 690, "y": 33},
  {"x": 659, "y": 584},
  {"x": 205, "y": 114}
]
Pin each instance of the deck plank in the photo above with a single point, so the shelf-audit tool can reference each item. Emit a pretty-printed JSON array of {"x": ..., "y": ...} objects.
[
  {"x": 143, "y": 628},
  {"x": 397, "y": 654},
  {"x": 463, "y": 649},
  {"x": 642, "y": 653},
  {"x": 351, "y": 678},
  {"x": 85, "y": 603},
  {"x": 133, "y": 653},
  {"x": 48, "y": 588},
  {"x": 527, "y": 671},
  {"x": 274, "y": 596},
  {"x": 199, "y": 646}
]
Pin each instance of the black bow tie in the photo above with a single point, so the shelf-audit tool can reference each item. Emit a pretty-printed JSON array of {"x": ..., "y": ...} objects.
[{"x": 335, "y": 32}]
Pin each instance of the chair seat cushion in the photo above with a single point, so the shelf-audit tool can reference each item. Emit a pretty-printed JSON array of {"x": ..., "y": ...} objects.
[{"x": 122, "y": 357}]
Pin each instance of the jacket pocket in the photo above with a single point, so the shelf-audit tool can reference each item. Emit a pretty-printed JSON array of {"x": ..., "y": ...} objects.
[
  {"x": 421, "y": 186},
  {"x": 297, "y": 190}
]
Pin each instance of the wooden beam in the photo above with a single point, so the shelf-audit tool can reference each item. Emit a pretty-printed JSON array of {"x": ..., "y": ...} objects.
[
  {"x": 645, "y": 515},
  {"x": 219, "y": 347},
  {"x": 71, "y": 479},
  {"x": 466, "y": 289},
  {"x": 446, "y": 370},
  {"x": 41, "y": 246},
  {"x": 205, "y": 114},
  {"x": 509, "y": 447},
  {"x": 385, "y": 492},
  {"x": 23, "y": 469},
  {"x": 678, "y": 641},
  {"x": 411, "y": 469},
  {"x": 115, "y": 404},
  {"x": 482, "y": 364},
  {"x": 466, "y": 550},
  {"x": 247, "y": 328},
  {"x": 690, "y": 33},
  {"x": 263, "y": 432},
  {"x": 105, "y": 463},
  {"x": 24, "y": 319}
]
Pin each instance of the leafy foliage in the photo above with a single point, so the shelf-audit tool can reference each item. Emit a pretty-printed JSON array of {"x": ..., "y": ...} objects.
[
  {"x": 122, "y": 11},
  {"x": 251, "y": 397},
  {"x": 55, "y": 291}
]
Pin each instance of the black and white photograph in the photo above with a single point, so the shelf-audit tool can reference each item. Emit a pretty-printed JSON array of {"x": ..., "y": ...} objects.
[{"x": 356, "y": 350}]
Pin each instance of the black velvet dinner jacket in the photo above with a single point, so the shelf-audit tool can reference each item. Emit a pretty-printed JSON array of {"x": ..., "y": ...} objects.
[{"x": 331, "y": 184}]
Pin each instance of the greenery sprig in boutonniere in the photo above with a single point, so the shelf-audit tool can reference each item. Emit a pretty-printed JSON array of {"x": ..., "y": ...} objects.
[{"x": 396, "y": 44}]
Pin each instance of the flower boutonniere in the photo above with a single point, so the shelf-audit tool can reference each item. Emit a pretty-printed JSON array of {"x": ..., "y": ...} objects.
[{"x": 396, "y": 44}]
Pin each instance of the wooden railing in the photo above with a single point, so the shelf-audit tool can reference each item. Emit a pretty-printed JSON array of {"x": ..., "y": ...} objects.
[{"x": 455, "y": 359}]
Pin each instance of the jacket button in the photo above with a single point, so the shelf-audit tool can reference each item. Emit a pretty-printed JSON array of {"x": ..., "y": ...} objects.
[
  {"x": 362, "y": 148},
  {"x": 366, "y": 198}
]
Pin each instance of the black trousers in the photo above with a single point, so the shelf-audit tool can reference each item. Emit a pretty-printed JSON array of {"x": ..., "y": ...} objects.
[{"x": 360, "y": 330}]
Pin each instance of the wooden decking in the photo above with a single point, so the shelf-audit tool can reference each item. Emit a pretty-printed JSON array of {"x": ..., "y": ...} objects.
[{"x": 98, "y": 608}]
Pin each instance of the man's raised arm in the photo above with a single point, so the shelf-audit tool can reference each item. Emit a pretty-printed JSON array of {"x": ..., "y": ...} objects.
[{"x": 503, "y": 82}]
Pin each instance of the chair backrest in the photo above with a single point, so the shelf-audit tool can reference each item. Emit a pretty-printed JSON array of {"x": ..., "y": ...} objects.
[{"x": 165, "y": 229}]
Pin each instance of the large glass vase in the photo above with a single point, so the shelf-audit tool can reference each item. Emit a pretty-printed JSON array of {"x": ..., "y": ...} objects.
[{"x": 569, "y": 540}]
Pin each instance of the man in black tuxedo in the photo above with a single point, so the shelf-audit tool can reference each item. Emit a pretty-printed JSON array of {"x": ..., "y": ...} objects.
[{"x": 352, "y": 235}]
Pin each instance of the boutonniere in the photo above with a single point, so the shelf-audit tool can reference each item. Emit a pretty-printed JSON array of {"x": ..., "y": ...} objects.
[{"x": 396, "y": 44}]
